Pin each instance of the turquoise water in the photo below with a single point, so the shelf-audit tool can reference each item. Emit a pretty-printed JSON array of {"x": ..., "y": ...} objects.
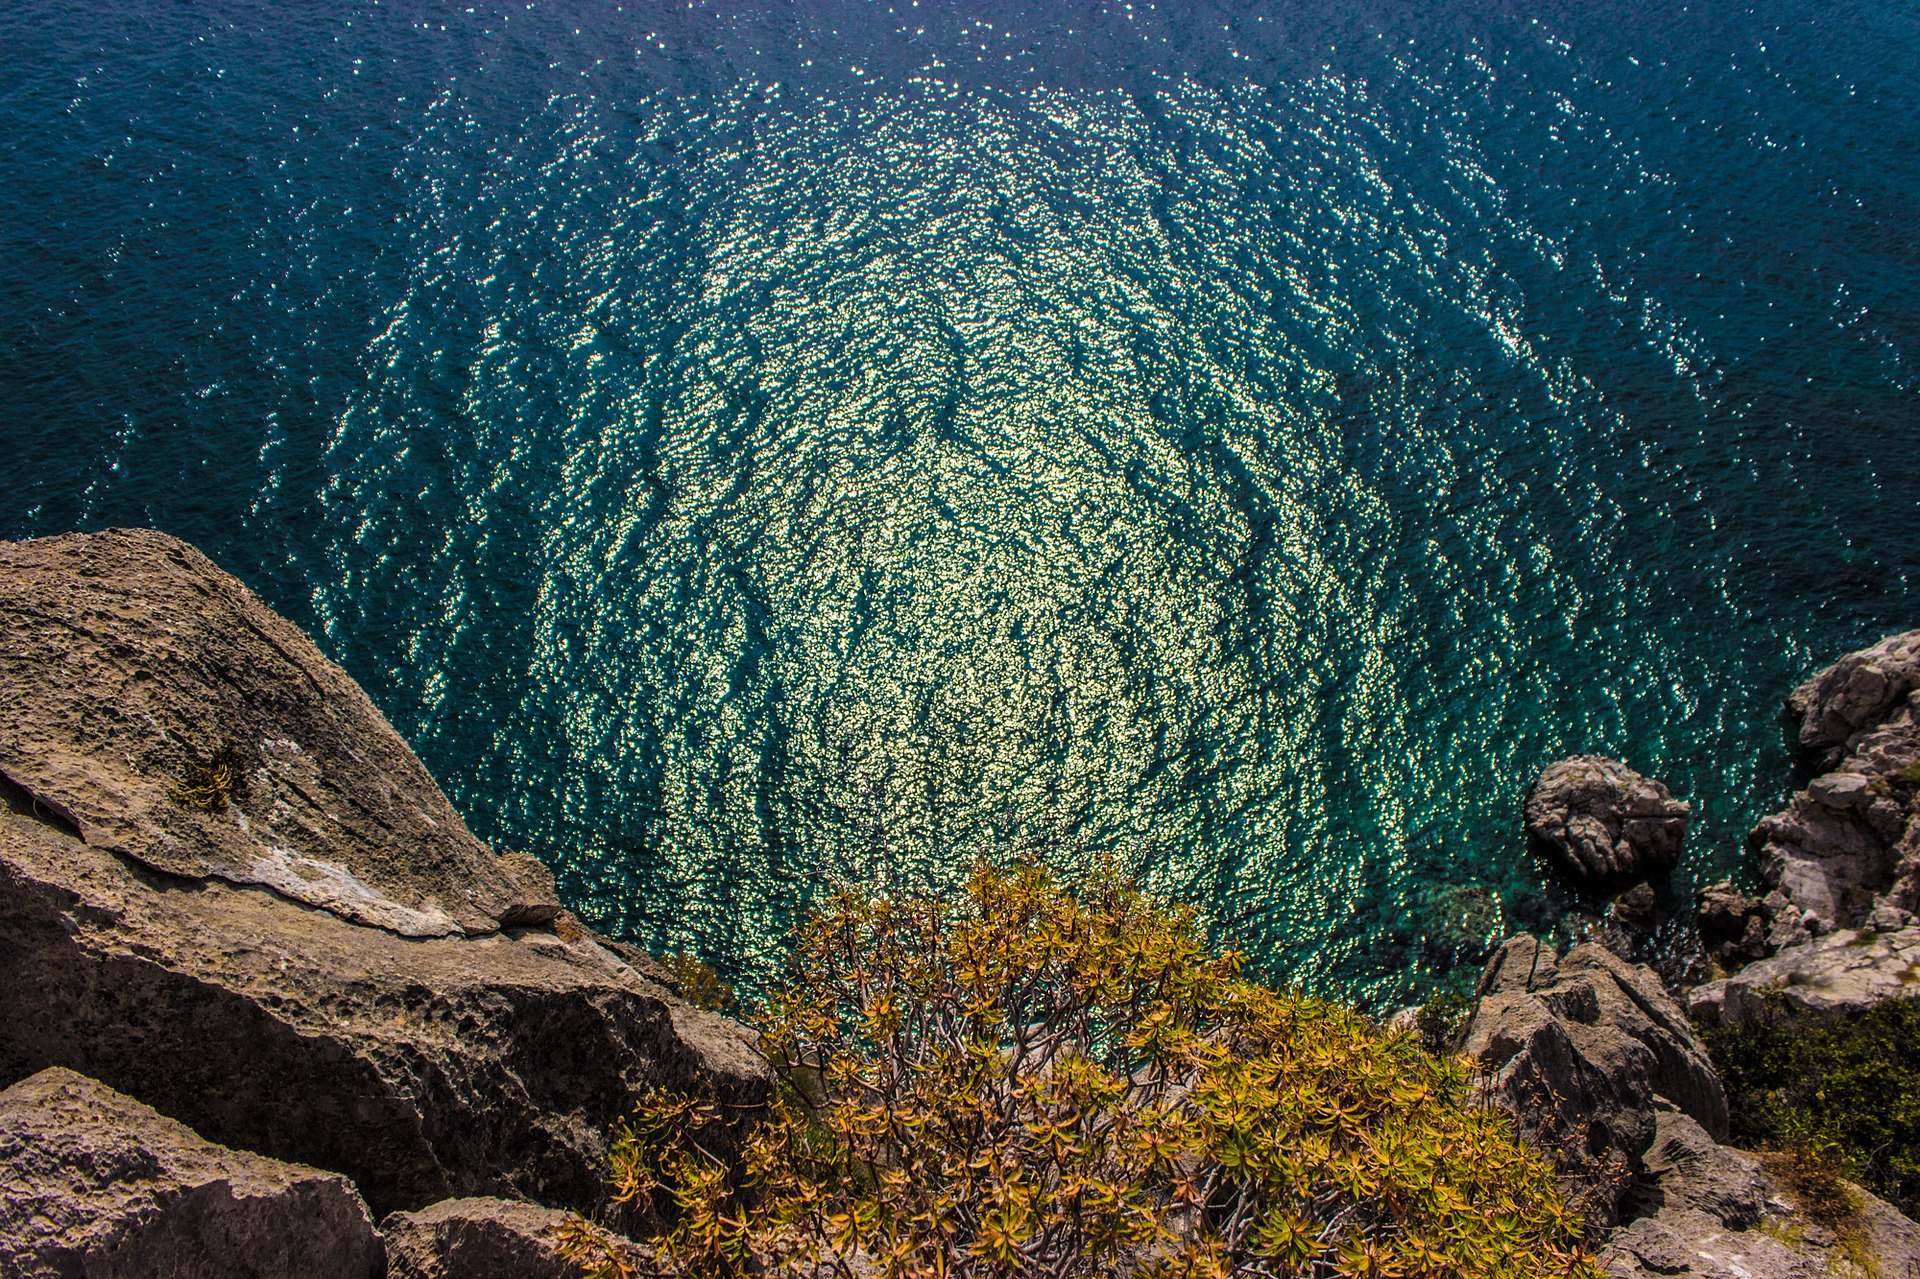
[{"x": 748, "y": 446}]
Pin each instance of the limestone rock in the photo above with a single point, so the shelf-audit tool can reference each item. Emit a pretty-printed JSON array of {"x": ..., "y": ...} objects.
[
  {"x": 1850, "y": 843},
  {"x": 329, "y": 969},
  {"x": 1841, "y": 972},
  {"x": 135, "y": 671},
  {"x": 1578, "y": 1049},
  {"x": 1689, "y": 1242},
  {"x": 478, "y": 1238},
  {"x": 1600, "y": 821},
  {"x": 423, "y": 1068},
  {"x": 1685, "y": 1168},
  {"x": 97, "y": 1184}
]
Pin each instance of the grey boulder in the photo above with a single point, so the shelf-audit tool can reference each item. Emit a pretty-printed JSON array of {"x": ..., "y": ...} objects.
[
  {"x": 1600, "y": 821},
  {"x": 95, "y": 1184},
  {"x": 1578, "y": 1049}
]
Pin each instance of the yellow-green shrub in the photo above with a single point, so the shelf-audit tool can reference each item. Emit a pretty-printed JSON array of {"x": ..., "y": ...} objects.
[{"x": 1034, "y": 1082}]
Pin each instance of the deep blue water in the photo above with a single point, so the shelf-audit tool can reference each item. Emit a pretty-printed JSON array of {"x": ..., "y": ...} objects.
[{"x": 741, "y": 445}]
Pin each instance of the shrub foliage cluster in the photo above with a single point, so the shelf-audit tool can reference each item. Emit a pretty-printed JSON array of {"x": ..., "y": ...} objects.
[
  {"x": 1846, "y": 1088},
  {"x": 1035, "y": 1082}
]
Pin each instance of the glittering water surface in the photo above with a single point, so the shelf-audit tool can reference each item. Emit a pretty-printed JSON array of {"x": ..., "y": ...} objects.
[{"x": 747, "y": 445}]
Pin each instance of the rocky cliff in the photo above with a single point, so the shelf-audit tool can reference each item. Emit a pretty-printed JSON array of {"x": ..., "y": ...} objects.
[
  {"x": 261, "y": 987},
  {"x": 230, "y": 892}
]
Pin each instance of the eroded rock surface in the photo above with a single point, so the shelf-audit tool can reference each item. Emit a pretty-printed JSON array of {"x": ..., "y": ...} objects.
[
  {"x": 1600, "y": 821},
  {"x": 134, "y": 669},
  {"x": 478, "y": 1238},
  {"x": 328, "y": 969},
  {"x": 1849, "y": 845},
  {"x": 1578, "y": 1049},
  {"x": 1717, "y": 1213},
  {"x": 1842, "y": 972},
  {"x": 422, "y": 1067},
  {"x": 92, "y": 1183}
]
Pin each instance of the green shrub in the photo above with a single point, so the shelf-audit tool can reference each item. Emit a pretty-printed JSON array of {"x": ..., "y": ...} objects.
[
  {"x": 1847, "y": 1089},
  {"x": 1442, "y": 1021},
  {"x": 1034, "y": 1082}
]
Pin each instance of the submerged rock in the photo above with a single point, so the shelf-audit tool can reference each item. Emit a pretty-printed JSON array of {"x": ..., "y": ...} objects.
[
  {"x": 1602, "y": 822},
  {"x": 97, "y": 1184},
  {"x": 158, "y": 708},
  {"x": 1460, "y": 924}
]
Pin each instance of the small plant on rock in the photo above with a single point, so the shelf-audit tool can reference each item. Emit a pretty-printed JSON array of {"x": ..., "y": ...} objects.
[
  {"x": 699, "y": 982},
  {"x": 1030, "y": 1081},
  {"x": 209, "y": 779}
]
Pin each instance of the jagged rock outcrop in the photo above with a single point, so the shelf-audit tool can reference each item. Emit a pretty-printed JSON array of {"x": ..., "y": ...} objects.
[
  {"x": 421, "y": 1067},
  {"x": 1602, "y": 822},
  {"x": 1849, "y": 844},
  {"x": 1717, "y": 1213},
  {"x": 485, "y": 1060},
  {"x": 95, "y": 1184},
  {"x": 1842, "y": 972},
  {"x": 1840, "y": 705},
  {"x": 135, "y": 670},
  {"x": 478, "y": 1239},
  {"x": 1578, "y": 1049}
]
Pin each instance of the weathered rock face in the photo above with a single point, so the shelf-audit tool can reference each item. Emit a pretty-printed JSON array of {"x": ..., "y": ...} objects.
[
  {"x": 97, "y": 1184},
  {"x": 1848, "y": 971},
  {"x": 134, "y": 669},
  {"x": 421, "y": 1067},
  {"x": 477, "y": 1239},
  {"x": 1578, "y": 1049},
  {"x": 1600, "y": 821},
  {"x": 1850, "y": 843},
  {"x": 371, "y": 1015},
  {"x": 1854, "y": 696},
  {"x": 1718, "y": 1213}
]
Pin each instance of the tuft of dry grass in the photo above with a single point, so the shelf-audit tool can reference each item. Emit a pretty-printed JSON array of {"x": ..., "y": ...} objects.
[{"x": 209, "y": 780}]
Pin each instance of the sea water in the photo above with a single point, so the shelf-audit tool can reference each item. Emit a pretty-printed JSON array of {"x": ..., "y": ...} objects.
[{"x": 752, "y": 447}]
